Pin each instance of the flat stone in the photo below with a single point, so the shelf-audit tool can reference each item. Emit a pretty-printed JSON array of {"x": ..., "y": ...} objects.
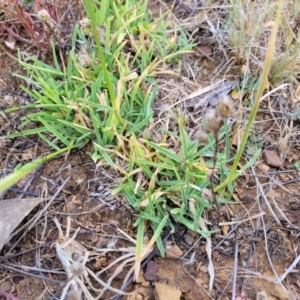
[
  {"x": 189, "y": 237},
  {"x": 166, "y": 292},
  {"x": 192, "y": 233},
  {"x": 203, "y": 269},
  {"x": 272, "y": 159},
  {"x": 151, "y": 271},
  {"x": 203, "y": 51},
  {"x": 174, "y": 252}
]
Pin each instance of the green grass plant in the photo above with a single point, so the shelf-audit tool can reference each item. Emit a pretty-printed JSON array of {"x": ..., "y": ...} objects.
[
  {"x": 108, "y": 97},
  {"x": 21, "y": 172},
  {"x": 248, "y": 28},
  {"x": 263, "y": 82},
  {"x": 245, "y": 25},
  {"x": 161, "y": 179},
  {"x": 74, "y": 97}
]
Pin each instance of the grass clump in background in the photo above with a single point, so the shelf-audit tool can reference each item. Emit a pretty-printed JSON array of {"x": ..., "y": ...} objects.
[
  {"x": 249, "y": 26},
  {"x": 53, "y": 22}
]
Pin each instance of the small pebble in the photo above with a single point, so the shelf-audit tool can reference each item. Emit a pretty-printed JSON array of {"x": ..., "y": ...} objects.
[
  {"x": 151, "y": 271},
  {"x": 272, "y": 159}
]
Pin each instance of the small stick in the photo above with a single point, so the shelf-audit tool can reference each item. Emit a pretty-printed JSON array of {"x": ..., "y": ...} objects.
[
  {"x": 236, "y": 251},
  {"x": 213, "y": 173},
  {"x": 289, "y": 270},
  {"x": 247, "y": 265},
  {"x": 185, "y": 7},
  {"x": 242, "y": 221},
  {"x": 21, "y": 272},
  {"x": 265, "y": 199},
  {"x": 23, "y": 192}
]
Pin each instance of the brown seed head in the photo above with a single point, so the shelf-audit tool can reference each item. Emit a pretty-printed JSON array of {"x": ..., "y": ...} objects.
[
  {"x": 85, "y": 60},
  {"x": 84, "y": 23},
  {"x": 214, "y": 121},
  {"x": 209, "y": 174},
  {"x": 224, "y": 107},
  {"x": 201, "y": 135},
  {"x": 207, "y": 194},
  {"x": 44, "y": 15}
]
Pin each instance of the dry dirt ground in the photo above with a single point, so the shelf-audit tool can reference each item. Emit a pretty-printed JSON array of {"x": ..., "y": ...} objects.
[{"x": 265, "y": 246}]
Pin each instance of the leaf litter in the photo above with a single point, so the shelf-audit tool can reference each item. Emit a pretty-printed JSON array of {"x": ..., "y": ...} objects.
[{"x": 12, "y": 213}]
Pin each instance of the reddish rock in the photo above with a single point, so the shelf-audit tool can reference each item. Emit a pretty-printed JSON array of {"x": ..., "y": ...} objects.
[
  {"x": 271, "y": 159},
  {"x": 151, "y": 271}
]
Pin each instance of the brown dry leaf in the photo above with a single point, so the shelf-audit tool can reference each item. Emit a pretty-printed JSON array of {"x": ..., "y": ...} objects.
[
  {"x": 12, "y": 212},
  {"x": 3, "y": 85},
  {"x": 225, "y": 229},
  {"x": 209, "y": 95},
  {"x": 203, "y": 51},
  {"x": 263, "y": 167},
  {"x": 236, "y": 197},
  {"x": 2, "y": 142},
  {"x": 10, "y": 43},
  {"x": 272, "y": 159},
  {"x": 292, "y": 218},
  {"x": 27, "y": 155}
]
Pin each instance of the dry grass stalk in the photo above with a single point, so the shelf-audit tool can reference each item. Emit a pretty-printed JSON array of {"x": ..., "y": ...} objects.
[{"x": 74, "y": 257}]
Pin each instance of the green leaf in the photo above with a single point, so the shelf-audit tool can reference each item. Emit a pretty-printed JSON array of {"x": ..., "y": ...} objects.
[
  {"x": 169, "y": 153},
  {"x": 296, "y": 166},
  {"x": 17, "y": 175}
]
